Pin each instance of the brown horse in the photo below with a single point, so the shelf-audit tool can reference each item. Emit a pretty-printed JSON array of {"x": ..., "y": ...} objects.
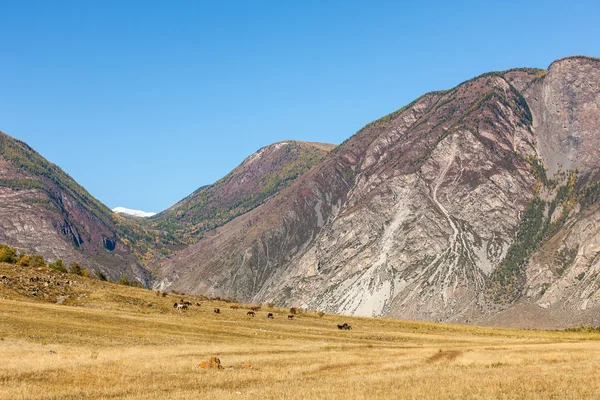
[
  {"x": 234, "y": 307},
  {"x": 255, "y": 308},
  {"x": 270, "y": 315},
  {"x": 251, "y": 313},
  {"x": 217, "y": 310},
  {"x": 290, "y": 317}
]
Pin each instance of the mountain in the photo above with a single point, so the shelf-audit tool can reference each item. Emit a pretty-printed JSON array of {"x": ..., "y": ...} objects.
[
  {"x": 43, "y": 210},
  {"x": 133, "y": 213},
  {"x": 476, "y": 204},
  {"x": 261, "y": 176}
]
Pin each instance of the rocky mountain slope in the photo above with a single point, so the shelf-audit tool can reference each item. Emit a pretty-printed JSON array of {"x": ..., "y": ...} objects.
[
  {"x": 260, "y": 176},
  {"x": 43, "y": 210},
  {"x": 442, "y": 210}
]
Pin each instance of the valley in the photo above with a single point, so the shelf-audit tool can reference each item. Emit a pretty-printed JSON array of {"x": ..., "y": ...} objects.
[{"x": 105, "y": 341}]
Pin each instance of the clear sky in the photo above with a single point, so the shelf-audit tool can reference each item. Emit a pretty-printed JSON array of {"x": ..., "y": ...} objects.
[{"x": 142, "y": 102}]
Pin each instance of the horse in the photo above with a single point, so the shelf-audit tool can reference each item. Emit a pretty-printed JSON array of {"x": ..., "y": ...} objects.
[
  {"x": 255, "y": 308},
  {"x": 290, "y": 317},
  {"x": 251, "y": 313},
  {"x": 234, "y": 307},
  {"x": 217, "y": 310},
  {"x": 198, "y": 304},
  {"x": 344, "y": 326},
  {"x": 182, "y": 307},
  {"x": 270, "y": 315}
]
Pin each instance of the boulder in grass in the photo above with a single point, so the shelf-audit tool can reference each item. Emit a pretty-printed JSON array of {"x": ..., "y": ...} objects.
[{"x": 213, "y": 362}]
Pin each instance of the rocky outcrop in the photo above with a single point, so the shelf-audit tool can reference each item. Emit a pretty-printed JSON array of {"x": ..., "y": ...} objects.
[{"x": 566, "y": 105}]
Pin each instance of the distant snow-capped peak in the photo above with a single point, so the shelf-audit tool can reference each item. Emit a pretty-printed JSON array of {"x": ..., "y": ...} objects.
[{"x": 135, "y": 213}]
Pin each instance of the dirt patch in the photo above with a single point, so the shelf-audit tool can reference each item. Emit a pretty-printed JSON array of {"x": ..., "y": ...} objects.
[{"x": 444, "y": 356}]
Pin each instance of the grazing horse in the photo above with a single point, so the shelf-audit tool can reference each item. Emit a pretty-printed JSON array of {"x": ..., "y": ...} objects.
[
  {"x": 198, "y": 304},
  {"x": 234, "y": 307},
  {"x": 251, "y": 313},
  {"x": 270, "y": 315},
  {"x": 217, "y": 310},
  {"x": 187, "y": 303},
  {"x": 255, "y": 308},
  {"x": 344, "y": 326},
  {"x": 182, "y": 307},
  {"x": 290, "y": 317},
  {"x": 175, "y": 305}
]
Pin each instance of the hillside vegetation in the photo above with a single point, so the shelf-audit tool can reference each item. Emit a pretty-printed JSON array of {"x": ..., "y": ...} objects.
[
  {"x": 259, "y": 177},
  {"x": 112, "y": 341}
]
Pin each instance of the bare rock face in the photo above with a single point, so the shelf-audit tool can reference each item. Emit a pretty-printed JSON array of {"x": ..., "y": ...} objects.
[{"x": 566, "y": 105}]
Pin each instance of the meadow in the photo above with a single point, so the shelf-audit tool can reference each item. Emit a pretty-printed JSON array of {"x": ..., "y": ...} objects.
[{"x": 112, "y": 341}]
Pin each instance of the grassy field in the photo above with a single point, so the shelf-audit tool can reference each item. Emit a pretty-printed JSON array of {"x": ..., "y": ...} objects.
[{"x": 112, "y": 341}]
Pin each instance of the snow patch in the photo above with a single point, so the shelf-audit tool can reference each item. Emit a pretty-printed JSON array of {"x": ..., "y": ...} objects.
[{"x": 135, "y": 213}]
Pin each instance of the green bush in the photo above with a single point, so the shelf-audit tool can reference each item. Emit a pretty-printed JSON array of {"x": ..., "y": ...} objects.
[
  {"x": 78, "y": 269},
  {"x": 129, "y": 282},
  {"x": 58, "y": 266}
]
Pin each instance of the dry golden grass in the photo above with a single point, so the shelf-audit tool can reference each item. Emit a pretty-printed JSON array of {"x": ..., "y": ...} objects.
[{"x": 106, "y": 342}]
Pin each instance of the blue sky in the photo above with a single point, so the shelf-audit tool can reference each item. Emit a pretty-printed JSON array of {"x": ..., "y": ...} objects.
[{"x": 142, "y": 102}]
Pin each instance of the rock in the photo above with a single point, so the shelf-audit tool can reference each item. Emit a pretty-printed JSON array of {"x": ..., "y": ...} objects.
[{"x": 213, "y": 362}]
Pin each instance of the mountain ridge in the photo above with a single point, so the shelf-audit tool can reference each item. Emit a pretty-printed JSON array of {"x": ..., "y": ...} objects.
[
  {"x": 476, "y": 204},
  {"x": 477, "y": 144}
]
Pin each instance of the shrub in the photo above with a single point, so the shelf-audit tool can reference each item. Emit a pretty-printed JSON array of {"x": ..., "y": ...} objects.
[
  {"x": 37, "y": 261},
  {"x": 58, "y": 266},
  {"x": 8, "y": 254},
  {"x": 24, "y": 260},
  {"x": 293, "y": 310},
  {"x": 321, "y": 314},
  {"x": 129, "y": 282},
  {"x": 102, "y": 277},
  {"x": 76, "y": 268}
]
